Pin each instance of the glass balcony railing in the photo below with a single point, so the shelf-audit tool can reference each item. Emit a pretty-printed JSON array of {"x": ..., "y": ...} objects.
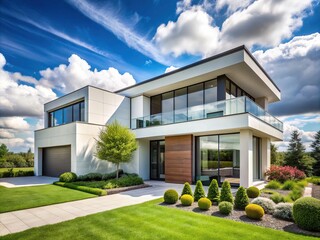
[{"x": 210, "y": 110}]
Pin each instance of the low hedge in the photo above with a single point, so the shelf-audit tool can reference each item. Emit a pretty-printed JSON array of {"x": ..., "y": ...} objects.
[
  {"x": 96, "y": 191},
  {"x": 12, "y": 173}
]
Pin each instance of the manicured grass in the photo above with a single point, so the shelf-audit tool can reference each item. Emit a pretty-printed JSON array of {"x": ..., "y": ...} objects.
[
  {"x": 150, "y": 221},
  {"x": 29, "y": 197},
  {"x": 17, "y": 169}
]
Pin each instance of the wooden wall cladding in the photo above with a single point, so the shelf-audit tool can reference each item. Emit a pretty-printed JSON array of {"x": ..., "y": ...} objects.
[{"x": 178, "y": 159}]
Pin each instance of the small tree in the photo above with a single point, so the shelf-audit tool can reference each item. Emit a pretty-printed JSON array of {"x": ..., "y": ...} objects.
[
  {"x": 315, "y": 153},
  {"x": 213, "y": 191},
  {"x": 199, "y": 191},
  {"x": 296, "y": 156},
  {"x": 3, "y": 150},
  {"x": 226, "y": 194},
  {"x": 186, "y": 189},
  {"x": 116, "y": 144},
  {"x": 241, "y": 200}
]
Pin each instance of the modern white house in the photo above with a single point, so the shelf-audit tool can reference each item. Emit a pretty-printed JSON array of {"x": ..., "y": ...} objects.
[{"x": 206, "y": 120}]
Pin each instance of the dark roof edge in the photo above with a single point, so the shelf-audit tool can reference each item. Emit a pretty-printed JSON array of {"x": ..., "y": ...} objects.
[{"x": 242, "y": 47}]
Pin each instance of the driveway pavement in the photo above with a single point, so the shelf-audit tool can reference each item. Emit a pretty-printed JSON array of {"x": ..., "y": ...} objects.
[
  {"x": 26, "y": 181},
  {"x": 17, "y": 221}
]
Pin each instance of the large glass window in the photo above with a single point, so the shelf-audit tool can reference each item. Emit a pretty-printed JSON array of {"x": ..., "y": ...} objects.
[
  {"x": 167, "y": 108},
  {"x": 67, "y": 114},
  {"x": 210, "y": 91},
  {"x": 256, "y": 158},
  {"x": 195, "y": 102},
  {"x": 218, "y": 157},
  {"x": 180, "y": 104}
]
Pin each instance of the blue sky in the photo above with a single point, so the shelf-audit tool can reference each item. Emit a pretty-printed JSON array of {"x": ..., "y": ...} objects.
[{"x": 49, "y": 48}]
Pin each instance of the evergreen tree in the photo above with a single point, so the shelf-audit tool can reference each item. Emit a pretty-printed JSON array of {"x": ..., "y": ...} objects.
[
  {"x": 226, "y": 194},
  {"x": 199, "y": 191},
  {"x": 241, "y": 200},
  {"x": 213, "y": 191},
  {"x": 186, "y": 189},
  {"x": 315, "y": 146},
  {"x": 296, "y": 156},
  {"x": 274, "y": 154}
]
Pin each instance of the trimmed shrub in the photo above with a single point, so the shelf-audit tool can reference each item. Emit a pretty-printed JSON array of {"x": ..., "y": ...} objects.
[
  {"x": 199, "y": 191},
  {"x": 225, "y": 207},
  {"x": 11, "y": 172},
  {"x": 284, "y": 211},
  {"x": 124, "y": 181},
  {"x": 170, "y": 196},
  {"x": 96, "y": 191},
  {"x": 241, "y": 200},
  {"x": 254, "y": 211},
  {"x": 186, "y": 189},
  {"x": 112, "y": 175},
  {"x": 226, "y": 194},
  {"x": 284, "y": 173},
  {"x": 306, "y": 213},
  {"x": 267, "y": 204},
  {"x": 213, "y": 191},
  {"x": 288, "y": 185},
  {"x": 186, "y": 200},
  {"x": 90, "y": 177},
  {"x": 253, "y": 192},
  {"x": 68, "y": 177},
  {"x": 277, "y": 197},
  {"x": 273, "y": 185},
  {"x": 204, "y": 203}
]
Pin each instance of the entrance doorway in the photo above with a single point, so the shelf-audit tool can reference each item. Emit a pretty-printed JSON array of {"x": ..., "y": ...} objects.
[{"x": 157, "y": 160}]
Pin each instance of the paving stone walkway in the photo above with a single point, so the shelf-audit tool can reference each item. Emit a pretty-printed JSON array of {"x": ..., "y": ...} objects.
[{"x": 18, "y": 221}]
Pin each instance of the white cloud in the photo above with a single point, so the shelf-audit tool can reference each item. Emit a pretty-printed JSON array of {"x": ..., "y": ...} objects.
[
  {"x": 17, "y": 123},
  {"x": 192, "y": 33},
  {"x": 170, "y": 69},
  {"x": 5, "y": 133},
  {"x": 183, "y": 6},
  {"x": 263, "y": 23},
  {"x": 77, "y": 74},
  {"x": 295, "y": 68}
]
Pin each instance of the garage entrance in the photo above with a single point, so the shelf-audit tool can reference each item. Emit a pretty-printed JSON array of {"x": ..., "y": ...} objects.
[{"x": 56, "y": 160}]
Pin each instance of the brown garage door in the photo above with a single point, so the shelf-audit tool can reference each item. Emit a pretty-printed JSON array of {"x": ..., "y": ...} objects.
[{"x": 56, "y": 160}]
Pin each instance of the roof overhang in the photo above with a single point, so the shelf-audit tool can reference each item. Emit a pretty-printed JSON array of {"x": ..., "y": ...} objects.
[{"x": 238, "y": 64}]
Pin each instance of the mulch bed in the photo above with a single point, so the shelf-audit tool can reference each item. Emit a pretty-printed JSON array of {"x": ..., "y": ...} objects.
[
  {"x": 123, "y": 189},
  {"x": 316, "y": 191},
  {"x": 237, "y": 215}
]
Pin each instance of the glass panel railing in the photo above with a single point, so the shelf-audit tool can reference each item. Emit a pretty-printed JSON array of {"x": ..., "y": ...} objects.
[
  {"x": 253, "y": 108},
  {"x": 210, "y": 110}
]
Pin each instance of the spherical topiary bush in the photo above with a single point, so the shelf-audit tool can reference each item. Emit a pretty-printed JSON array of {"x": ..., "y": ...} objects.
[
  {"x": 267, "y": 204},
  {"x": 171, "y": 196},
  {"x": 241, "y": 200},
  {"x": 186, "y": 189},
  {"x": 186, "y": 200},
  {"x": 253, "y": 192},
  {"x": 225, "y": 207},
  {"x": 226, "y": 194},
  {"x": 199, "y": 191},
  {"x": 283, "y": 211},
  {"x": 68, "y": 177},
  {"x": 306, "y": 213},
  {"x": 213, "y": 191},
  {"x": 204, "y": 203},
  {"x": 254, "y": 211}
]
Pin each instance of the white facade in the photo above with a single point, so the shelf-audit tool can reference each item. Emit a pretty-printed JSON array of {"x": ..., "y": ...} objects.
[{"x": 125, "y": 106}]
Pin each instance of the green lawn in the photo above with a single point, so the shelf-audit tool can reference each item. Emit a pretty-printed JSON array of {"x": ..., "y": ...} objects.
[
  {"x": 17, "y": 169},
  {"x": 150, "y": 221},
  {"x": 29, "y": 197}
]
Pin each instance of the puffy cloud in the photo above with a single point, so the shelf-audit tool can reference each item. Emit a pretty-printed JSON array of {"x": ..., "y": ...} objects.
[
  {"x": 77, "y": 74},
  {"x": 170, "y": 69},
  {"x": 5, "y": 133},
  {"x": 192, "y": 33},
  {"x": 295, "y": 68},
  {"x": 262, "y": 23},
  {"x": 17, "y": 123}
]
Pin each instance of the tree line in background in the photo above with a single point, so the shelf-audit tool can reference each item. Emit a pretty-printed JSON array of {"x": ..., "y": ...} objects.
[
  {"x": 11, "y": 160},
  {"x": 296, "y": 155}
]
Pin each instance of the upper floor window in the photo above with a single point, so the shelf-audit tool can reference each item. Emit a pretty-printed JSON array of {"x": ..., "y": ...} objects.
[{"x": 72, "y": 113}]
